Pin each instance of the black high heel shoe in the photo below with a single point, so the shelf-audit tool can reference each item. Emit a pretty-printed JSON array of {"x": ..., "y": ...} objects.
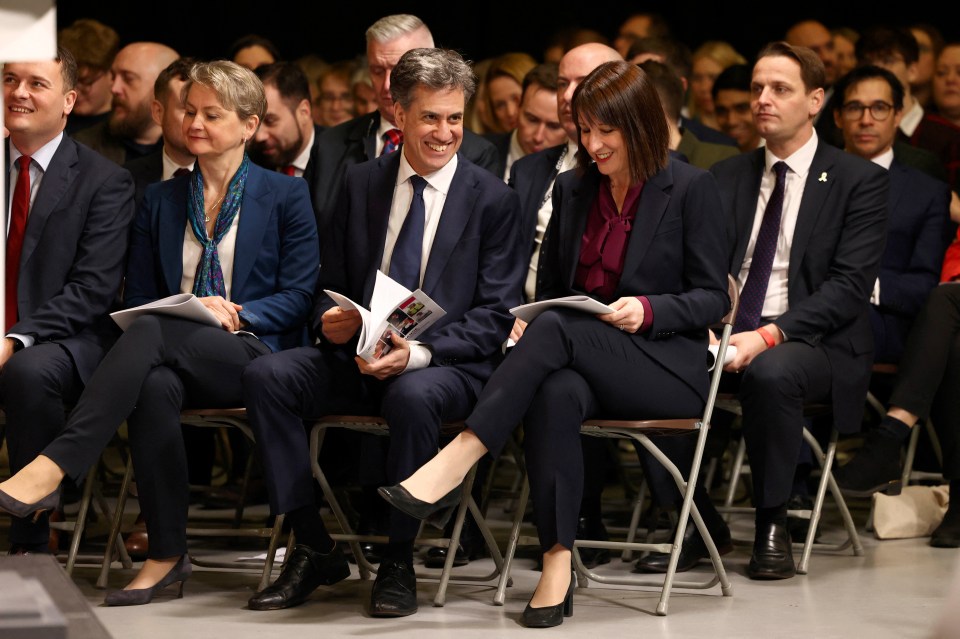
[
  {"x": 436, "y": 514},
  {"x": 179, "y": 573},
  {"x": 549, "y": 616},
  {"x": 19, "y": 509}
]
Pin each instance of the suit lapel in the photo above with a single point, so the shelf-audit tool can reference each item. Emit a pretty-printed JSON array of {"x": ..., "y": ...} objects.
[
  {"x": 58, "y": 177},
  {"x": 172, "y": 226},
  {"x": 748, "y": 190},
  {"x": 383, "y": 180},
  {"x": 573, "y": 225},
  {"x": 457, "y": 209},
  {"x": 815, "y": 193},
  {"x": 897, "y": 184},
  {"x": 255, "y": 211},
  {"x": 653, "y": 203}
]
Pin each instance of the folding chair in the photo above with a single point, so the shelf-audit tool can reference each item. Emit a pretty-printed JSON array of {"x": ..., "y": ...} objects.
[
  {"x": 378, "y": 426},
  {"x": 217, "y": 418},
  {"x": 730, "y": 404},
  {"x": 91, "y": 495},
  {"x": 640, "y": 432}
]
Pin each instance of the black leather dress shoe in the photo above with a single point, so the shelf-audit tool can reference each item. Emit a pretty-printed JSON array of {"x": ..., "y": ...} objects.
[
  {"x": 772, "y": 556},
  {"x": 592, "y": 528},
  {"x": 394, "y": 591},
  {"x": 947, "y": 534},
  {"x": 305, "y": 570},
  {"x": 691, "y": 552},
  {"x": 471, "y": 546}
]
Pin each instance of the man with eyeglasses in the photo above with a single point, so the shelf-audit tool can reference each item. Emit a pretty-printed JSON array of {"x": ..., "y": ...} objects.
[
  {"x": 94, "y": 45},
  {"x": 869, "y": 117},
  {"x": 917, "y": 224}
]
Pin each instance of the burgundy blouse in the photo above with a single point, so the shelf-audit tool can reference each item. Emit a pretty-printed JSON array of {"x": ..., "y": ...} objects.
[{"x": 604, "y": 245}]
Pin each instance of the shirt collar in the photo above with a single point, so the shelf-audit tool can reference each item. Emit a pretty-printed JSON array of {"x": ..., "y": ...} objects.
[
  {"x": 801, "y": 159},
  {"x": 439, "y": 180},
  {"x": 885, "y": 159},
  {"x": 303, "y": 159},
  {"x": 43, "y": 156},
  {"x": 170, "y": 167},
  {"x": 516, "y": 151},
  {"x": 911, "y": 119}
]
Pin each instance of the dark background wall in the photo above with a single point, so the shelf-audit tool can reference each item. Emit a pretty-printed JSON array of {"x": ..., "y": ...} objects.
[{"x": 479, "y": 29}]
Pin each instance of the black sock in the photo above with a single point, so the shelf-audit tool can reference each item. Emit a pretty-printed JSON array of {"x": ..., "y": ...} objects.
[
  {"x": 953, "y": 508},
  {"x": 309, "y": 529},
  {"x": 774, "y": 515},
  {"x": 893, "y": 428},
  {"x": 399, "y": 551}
]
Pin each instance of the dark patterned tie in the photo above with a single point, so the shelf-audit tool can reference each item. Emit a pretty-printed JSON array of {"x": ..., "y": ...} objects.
[
  {"x": 392, "y": 140},
  {"x": 755, "y": 289},
  {"x": 181, "y": 171},
  {"x": 405, "y": 261},
  {"x": 18, "y": 225}
]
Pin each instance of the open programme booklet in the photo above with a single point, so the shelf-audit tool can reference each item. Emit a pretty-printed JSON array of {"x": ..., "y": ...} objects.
[
  {"x": 393, "y": 309},
  {"x": 184, "y": 305},
  {"x": 583, "y": 303}
]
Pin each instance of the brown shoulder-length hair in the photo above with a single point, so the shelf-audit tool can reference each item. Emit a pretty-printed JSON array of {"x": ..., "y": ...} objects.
[{"x": 619, "y": 95}]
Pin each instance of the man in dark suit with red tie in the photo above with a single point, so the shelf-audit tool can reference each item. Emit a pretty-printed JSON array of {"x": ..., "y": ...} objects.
[
  {"x": 66, "y": 243},
  {"x": 433, "y": 220},
  {"x": 368, "y": 136},
  {"x": 806, "y": 229}
]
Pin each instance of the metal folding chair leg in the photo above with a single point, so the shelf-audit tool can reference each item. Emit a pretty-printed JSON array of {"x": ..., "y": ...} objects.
[{"x": 378, "y": 426}]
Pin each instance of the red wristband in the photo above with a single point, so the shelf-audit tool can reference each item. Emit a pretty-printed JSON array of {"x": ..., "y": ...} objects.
[{"x": 767, "y": 337}]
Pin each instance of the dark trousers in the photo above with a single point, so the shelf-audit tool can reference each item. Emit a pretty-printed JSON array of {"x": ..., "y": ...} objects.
[
  {"x": 928, "y": 382},
  {"x": 567, "y": 367},
  {"x": 773, "y": 391},
  {"x": 34, "y": 386},
  {"x": 284, "y": 389},
  {"x": 159, "y": 366}
]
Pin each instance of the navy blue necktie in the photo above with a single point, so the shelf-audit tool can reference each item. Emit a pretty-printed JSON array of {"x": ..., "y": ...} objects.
[
  {"x": 754, "y": 291},
  {"x": 405, "y": 261}
]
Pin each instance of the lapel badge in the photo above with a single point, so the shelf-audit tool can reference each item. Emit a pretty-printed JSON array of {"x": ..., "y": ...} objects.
[{"x": 823, "y": 177}]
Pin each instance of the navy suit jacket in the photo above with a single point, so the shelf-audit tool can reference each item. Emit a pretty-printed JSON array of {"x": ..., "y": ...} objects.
[
  {"x": 74, "y": 246},
  {"x": 276, "y": 259},
  {"x": 530, "y": 177},
  {"x": 474, "y": 270},
  {"x": 834, "y": 260},
  {"x": 910, "y": 268},
  {"x": 354, "y": 142},
  {"x": 674, "y": 257}
]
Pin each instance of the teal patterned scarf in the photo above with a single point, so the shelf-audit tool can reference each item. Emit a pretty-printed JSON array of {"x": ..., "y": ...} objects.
[{"x": 209, "y": 278}]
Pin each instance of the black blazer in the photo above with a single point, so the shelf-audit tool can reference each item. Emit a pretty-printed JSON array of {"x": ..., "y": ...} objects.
[
  {"x": 530, "y": 178},
  {"x": 354, "y": 142},
  {"x": 675, "y": 257},
  {"x": 145, "y": 171},
  {"x": 834, "y": 260},
  {"x": 474, "y": 270},
  {"x": 73, "y": 254}
]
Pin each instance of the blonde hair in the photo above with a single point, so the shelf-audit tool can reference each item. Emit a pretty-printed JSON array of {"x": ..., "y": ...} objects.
[{"x": 238, "y": 88}]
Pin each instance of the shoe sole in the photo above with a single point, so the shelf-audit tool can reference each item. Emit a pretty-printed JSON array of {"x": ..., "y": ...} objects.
[{"x": 383, "y": 614}]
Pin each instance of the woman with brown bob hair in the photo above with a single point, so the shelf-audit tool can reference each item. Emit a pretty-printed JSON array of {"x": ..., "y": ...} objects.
[{"x": 641, "y": 233}]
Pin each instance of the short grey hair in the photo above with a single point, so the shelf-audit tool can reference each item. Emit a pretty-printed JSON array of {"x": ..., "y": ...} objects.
[
  {"x": 238, "y": 89},
  {"x": 392, "y": 27},
  {"x": 437, "y": 69}
]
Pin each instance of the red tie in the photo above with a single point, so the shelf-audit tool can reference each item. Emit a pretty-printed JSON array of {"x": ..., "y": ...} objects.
[
  {"x": 391, "y": 141},
  {"x": 289, "y": 170},
  {"x": 18, "y": 224}
]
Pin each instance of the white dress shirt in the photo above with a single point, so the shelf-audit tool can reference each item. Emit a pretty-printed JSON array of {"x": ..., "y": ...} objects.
[
  {"x": 170, "y": 167},
  {"x": 776, "y": 302},
  {"x": 911, "y": 119},
  {"x": 301, "y": 161},
  {"x": 434, "y": 197},
  {"x": 514, "y": 154}
]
